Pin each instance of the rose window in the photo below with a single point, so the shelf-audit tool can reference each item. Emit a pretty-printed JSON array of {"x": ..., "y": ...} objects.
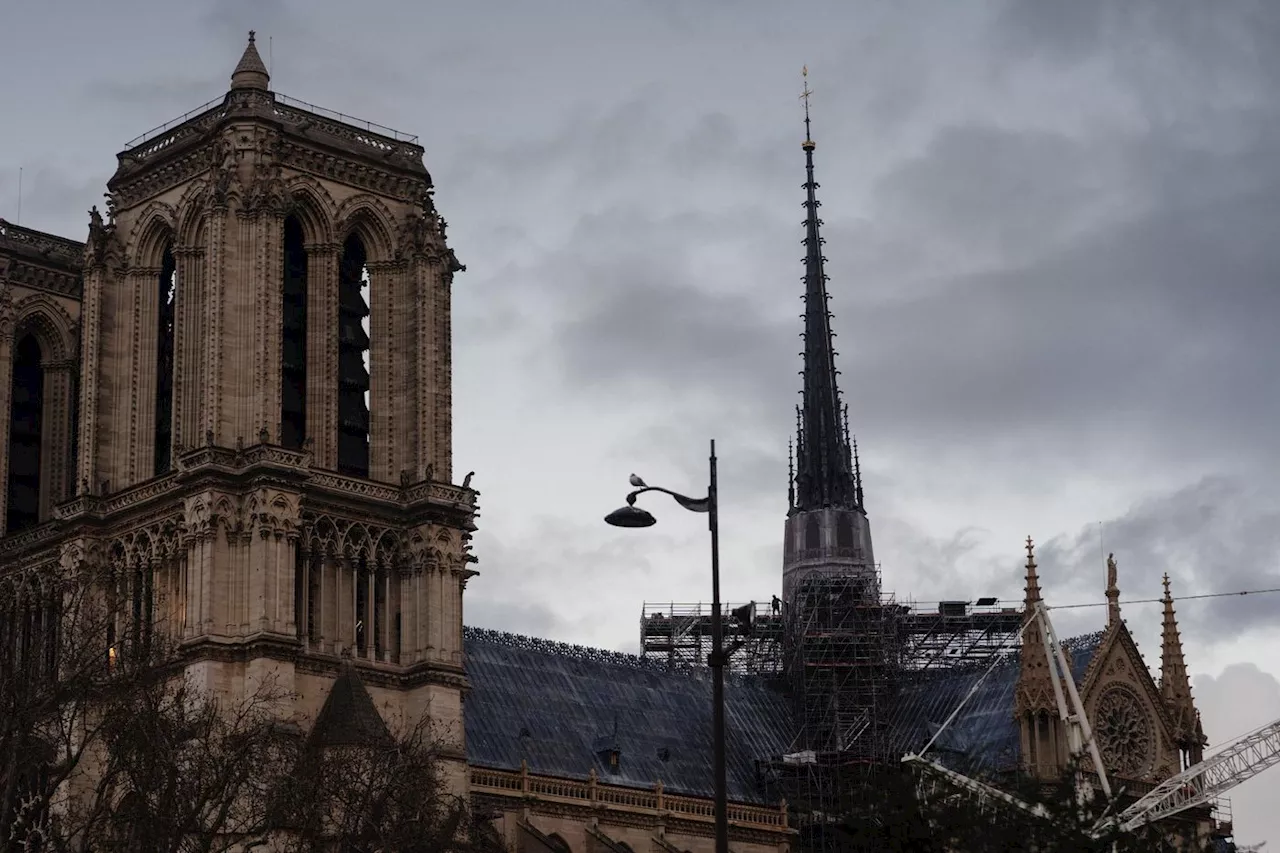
[{"x": 1123, "y": 731}]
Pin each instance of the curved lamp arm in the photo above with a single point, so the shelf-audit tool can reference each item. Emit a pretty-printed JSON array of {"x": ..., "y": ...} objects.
[{"x": 691, "y": 504}]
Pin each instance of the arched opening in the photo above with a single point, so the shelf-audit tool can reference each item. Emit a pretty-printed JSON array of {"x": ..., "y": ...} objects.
[
  {"x": 844, "y": 532},
  {"x": 167, "y": 287},
  {"x": 353, "y": 359},
  {"x": 812, "y": 534},
  {"x": 26, "y": 411},
  {"x": 293, "y": 343}
]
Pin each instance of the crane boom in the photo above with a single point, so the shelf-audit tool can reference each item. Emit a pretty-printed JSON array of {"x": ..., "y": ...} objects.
[
  {"x": 1240, "y": 760},
  {"x": 982, "y": 792}
]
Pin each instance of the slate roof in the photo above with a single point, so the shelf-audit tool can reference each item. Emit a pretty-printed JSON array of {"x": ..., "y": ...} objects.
[
  {"x": 348, "y": 717},
  {"x": 983, "y": 739},
  {"x": 557, "y": 707}
]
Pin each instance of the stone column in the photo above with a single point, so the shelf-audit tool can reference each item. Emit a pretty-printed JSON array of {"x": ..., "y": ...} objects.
[
  {"x": 6, "y": 392},
  {"x": 146, "y": 338},
  {"x": 322, "y": 354},
  {"x": 267, "y": 314},
  {"x": 385, "y": 370},
  {"x": 188, "y": 342},
  {"x": 220, "y": 264},
  {"x": 408, "y": 616},
  {"x": 441, "y": 426},
  {"x": 55, "y": 476},
  {"x": 90, "y": 385},
  {"x": 426, "y": 346}
]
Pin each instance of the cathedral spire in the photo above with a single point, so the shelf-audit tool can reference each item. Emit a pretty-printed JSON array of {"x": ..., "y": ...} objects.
[
  {"x": 1032, "y": 593},
  {"x": 824, "y": 475},
  {"x": 250, "y": 72},
  {"x": 1034, "y": 691},
  {"x": 1175, "y": 685}
]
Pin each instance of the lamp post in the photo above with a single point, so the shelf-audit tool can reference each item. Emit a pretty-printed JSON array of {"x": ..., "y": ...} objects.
[{"x": 633, "y": 516}]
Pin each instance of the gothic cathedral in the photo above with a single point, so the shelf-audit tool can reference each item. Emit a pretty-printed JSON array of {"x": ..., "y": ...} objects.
[{"x": 255, "y": 447}]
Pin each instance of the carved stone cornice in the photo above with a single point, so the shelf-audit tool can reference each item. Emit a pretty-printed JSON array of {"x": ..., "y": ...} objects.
[
  {"x": 308, "y": 142},
  {"x": 61, "y": 282},
  {"x": 49, "y": 250},
  {"x": 386, "y": 675}
]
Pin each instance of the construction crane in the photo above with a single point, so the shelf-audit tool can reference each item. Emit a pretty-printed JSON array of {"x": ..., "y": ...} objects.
[{"x": 1240, "y": 760}]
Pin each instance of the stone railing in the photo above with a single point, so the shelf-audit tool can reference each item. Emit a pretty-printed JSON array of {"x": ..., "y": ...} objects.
[
  {"x": 49, "y": 245},
  {"x": 824, "y": 553},
  {"x": 29, "y": 540},
  {"x": 383, "y": 140},
  {"x": 522, "y": 783}
]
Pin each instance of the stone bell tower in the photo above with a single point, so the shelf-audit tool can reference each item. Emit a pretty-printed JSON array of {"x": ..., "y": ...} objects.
[{"x": 264, "y": 430}]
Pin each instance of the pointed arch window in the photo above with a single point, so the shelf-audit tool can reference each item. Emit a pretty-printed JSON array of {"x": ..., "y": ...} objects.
[
  {"x": 812, "y": 534},
  {"x": 293, "y": 344},
  {"x": 167, "y": 286},
  {"x": 353, "y": 355},
  {"x": 844, "y": 532},
  {"x": 26, "y": 415}
]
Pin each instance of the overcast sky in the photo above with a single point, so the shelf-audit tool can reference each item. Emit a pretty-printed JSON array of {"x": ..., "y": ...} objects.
[{"x": 1052, "y": 237}]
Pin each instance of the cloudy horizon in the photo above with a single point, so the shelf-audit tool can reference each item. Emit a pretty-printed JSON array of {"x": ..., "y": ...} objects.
[{"x": 1049, "y": 230}]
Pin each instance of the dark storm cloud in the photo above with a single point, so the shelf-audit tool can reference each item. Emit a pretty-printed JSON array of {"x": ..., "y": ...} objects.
[
  {"x": 1190, "y": 40},
  {"x": 1122, "y": 283},
  {"x": 1218, "y": 535}
]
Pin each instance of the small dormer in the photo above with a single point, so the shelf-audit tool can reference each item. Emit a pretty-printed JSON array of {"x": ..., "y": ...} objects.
[{"x": 609, "y": 752}]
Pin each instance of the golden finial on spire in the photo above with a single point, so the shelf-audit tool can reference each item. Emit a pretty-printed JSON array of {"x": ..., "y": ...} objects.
[{"x": 804, "y": 96}]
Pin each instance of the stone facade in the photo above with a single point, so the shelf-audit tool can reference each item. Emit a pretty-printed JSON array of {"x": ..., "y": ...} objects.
[
  {"x": 180, "y": 434},
  {"x": 1145, "y": 734},
  {"x": 163, "y": 466}
]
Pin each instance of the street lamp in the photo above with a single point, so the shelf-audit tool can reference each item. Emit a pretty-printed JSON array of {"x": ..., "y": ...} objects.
[{"x": 633, "y": 516}]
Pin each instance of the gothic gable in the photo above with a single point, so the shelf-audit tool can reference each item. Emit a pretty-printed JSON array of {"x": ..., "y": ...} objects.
[{"x": 1130, "y": 722}]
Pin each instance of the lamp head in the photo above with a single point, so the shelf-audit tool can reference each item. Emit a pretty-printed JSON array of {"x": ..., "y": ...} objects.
[{"x": 630, "y": 516}]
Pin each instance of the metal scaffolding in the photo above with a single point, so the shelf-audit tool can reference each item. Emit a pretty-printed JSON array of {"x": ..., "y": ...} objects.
[
  {"x": 678, "y": 636},
  {"x": 860, "y": 669}
]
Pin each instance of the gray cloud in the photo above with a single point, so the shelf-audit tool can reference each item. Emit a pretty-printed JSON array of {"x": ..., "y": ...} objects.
[
  {"x": 1216, "y": 535},
  {"x": 1237, "y": 701}
]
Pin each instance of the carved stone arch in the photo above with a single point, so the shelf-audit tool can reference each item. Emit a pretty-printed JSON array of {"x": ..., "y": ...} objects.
[
  {"x": 192, "y": 213},
  {"x": 154, "y": 229},
  {"x": 370, "y": 219},
  {"x": 115, "y": 564},
  {"x": 53, "y": 327},
  {"x": 358, "y": 542},
  {"x": 387, "y": 551},
  {"x": 141, "y": 551},
  {"x": 314, "y": 208},
  {"x": 322, "y": 536},
  {"x": 227, "y": 514},
  {"x": 167, "y": 539}
]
